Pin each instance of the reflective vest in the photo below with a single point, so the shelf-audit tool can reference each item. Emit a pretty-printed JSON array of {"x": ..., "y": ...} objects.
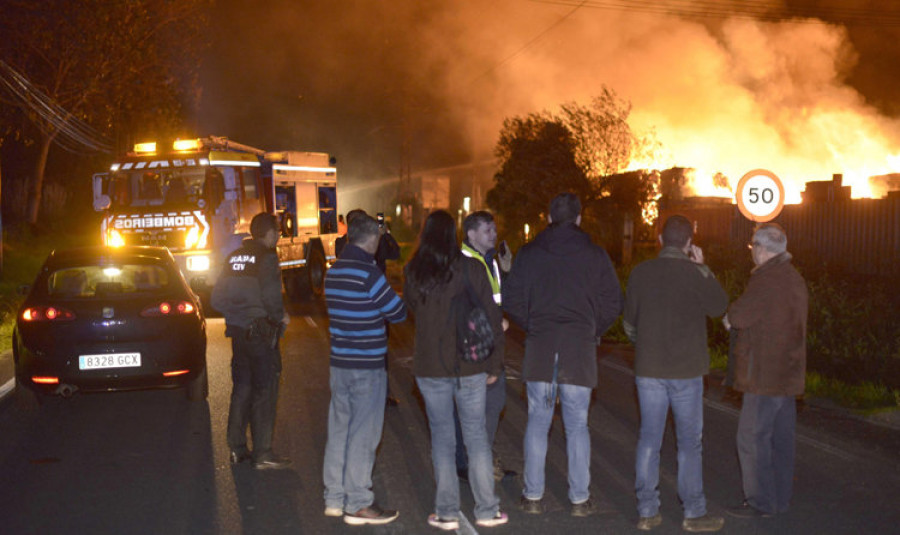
[{"x": 493, "y": 275}]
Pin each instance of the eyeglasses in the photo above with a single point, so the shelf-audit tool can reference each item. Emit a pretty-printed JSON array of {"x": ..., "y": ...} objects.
[{"x": 753, "y": 244}]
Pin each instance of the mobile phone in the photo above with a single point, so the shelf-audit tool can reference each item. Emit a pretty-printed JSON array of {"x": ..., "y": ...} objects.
[
  {"x": 380, "y": 218},
  {"x": 502, "y": 248}
]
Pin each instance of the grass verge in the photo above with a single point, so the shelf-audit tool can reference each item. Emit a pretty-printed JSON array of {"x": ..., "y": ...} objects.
[
  {"x": 865, "y": 397},
  {"x": 23, "y": 254}
]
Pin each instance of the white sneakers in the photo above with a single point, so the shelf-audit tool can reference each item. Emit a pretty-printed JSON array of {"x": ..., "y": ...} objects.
[
  {"x": 452, "y": 524},
  {"x": 498, "y": 519}
]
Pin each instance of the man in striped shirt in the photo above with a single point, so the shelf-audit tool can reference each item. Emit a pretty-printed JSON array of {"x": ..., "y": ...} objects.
[{"x": 359, "y": 301}]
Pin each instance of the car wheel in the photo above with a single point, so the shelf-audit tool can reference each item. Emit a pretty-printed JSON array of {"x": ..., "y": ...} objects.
[{"x": 198, "y": 389}]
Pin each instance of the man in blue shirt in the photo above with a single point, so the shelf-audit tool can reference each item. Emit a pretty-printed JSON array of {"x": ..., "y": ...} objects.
[{"x": 359, "y": 301}]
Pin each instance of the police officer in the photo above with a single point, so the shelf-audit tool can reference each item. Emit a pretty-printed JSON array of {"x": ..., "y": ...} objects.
[{"x": 248, "y": 294}]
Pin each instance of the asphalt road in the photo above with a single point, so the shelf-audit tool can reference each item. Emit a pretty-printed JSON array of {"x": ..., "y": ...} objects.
[{"x": 153, "y": 462}]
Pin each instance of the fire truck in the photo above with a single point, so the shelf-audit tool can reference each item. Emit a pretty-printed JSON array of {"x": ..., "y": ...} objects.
[{"x": 197, "y": 198}]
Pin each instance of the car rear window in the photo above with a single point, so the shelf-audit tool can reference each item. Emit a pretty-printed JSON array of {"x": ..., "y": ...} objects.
[{"x": 90, "y": 281}]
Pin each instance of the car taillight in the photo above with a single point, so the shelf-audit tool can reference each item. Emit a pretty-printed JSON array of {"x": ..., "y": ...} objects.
[
  {"x": 31, "y": 314},
  {"x": 45, "y": 380},
  {"x": 168, "y": 309}
]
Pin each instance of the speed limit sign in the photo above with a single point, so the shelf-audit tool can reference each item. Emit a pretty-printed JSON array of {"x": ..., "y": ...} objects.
[{"x": 760, "y": 195}]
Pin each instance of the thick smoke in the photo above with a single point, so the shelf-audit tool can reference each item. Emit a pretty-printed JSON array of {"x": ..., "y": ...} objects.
[
  {"x": 394, "y": 86},
  {"x": 726, "y": 97}
]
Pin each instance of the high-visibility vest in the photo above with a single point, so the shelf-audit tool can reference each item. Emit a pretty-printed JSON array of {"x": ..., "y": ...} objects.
[{"x": 493, "y": 276}]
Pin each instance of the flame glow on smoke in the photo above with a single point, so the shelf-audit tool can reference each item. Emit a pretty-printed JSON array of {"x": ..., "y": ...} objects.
[
  {"x": 783, "y": 107},
  {"x": 410, "y": 84},
  {"x": 721, "y": 100}
]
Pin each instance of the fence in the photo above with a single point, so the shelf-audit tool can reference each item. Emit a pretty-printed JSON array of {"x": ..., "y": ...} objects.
[{"x": 860, "y": 236}]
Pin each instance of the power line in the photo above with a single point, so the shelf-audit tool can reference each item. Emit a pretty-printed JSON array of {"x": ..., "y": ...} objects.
[
  {"x": 759, "y": 10},
  {"x": 73, "y": 134},
  {"x": 532, "y": 41}
]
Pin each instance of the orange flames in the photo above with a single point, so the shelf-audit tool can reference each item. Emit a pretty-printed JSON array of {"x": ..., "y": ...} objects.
[{"x": 861, "y": 166}]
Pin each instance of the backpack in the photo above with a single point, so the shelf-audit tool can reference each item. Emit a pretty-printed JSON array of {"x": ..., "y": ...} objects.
[{"x": 474, "y": 334}]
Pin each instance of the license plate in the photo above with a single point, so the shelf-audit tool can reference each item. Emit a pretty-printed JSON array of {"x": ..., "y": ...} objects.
[{"x": 109, "y": 360}]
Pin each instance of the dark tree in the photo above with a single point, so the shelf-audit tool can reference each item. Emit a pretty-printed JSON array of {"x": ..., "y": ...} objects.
[
  {"x": 88, "y": 75},
  {"x": 581, "y": 150},
  {"x": 538, "y": 155}
]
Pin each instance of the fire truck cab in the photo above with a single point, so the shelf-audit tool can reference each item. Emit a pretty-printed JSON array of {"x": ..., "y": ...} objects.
[{"x": 198, "y": 198}]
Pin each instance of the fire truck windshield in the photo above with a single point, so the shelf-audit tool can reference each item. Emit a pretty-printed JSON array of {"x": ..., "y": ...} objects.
[{"x": 164, "y": 188}]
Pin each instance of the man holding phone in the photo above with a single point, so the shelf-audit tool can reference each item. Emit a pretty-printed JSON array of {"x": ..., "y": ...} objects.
[
  {"x": 666, "y": 305},
  {"x": 480, "y": 233}
]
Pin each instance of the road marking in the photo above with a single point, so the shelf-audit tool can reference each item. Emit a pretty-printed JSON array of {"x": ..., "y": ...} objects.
[
  {"x": 7, "y": 388},
  {"x": 311, "y": 321},
  {"x": 721, "y": 407},
  {"x": 465, "y": 527}
]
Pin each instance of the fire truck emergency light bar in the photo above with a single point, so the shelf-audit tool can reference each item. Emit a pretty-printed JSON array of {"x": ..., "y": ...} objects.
[
  {"x": 187, "y": 144},
  {"x": 145, "y": 148},
  {"x": 180, "y": 145}
]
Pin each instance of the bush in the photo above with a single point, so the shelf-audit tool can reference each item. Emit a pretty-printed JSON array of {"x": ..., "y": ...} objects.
[
  {"x": 862, "y": 396},
  {"x": 853, "y": 333}
]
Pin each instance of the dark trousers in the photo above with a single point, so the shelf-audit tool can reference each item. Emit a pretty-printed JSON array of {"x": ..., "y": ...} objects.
[
  {"x": 765, "y": 442},
  {"x": 495, "y": 400},
  {"x": 255, "y": 371}
]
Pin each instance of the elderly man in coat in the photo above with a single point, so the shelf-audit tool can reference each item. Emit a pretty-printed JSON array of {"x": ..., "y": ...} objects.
[{"x": 770, "y": 369}]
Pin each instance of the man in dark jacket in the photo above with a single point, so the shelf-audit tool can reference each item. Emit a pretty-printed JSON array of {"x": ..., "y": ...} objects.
[
  {"x": 770, "y": 369},
  {"x": 563, "y": 291},
  {"x": 666, "y": 305},
  {"x": 248, "y": 294}
]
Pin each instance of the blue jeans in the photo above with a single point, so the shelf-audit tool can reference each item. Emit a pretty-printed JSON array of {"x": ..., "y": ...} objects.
[
  {"x": 469, "y": 396},
  {"x": 575, "y": 401},
  {"x": 685, "y": 396},
  {"x": 765, "y": 441},
  {"x": 355, "y": 422},
  {"x": 495, "y": 400}
]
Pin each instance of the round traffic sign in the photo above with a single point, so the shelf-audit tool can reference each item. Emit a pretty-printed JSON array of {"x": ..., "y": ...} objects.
[{"x": 760, "y": 195}]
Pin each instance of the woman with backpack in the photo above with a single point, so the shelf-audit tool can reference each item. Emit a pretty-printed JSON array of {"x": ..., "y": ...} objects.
[{"x": 441, "y": 286}]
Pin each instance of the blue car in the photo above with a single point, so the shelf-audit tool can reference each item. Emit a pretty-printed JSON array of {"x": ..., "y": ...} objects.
[{"x": 104, "y": 319}]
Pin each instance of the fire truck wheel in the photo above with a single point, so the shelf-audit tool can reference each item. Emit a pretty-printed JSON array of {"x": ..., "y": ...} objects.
[{"x": 315, "y": 271}]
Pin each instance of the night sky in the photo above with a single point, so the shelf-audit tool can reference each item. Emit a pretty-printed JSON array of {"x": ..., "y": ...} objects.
[{"x": 385, "y": 85}]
